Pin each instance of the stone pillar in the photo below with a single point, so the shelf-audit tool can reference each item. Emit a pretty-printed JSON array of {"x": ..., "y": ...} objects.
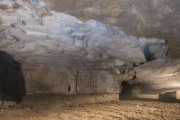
[{"x": 178, "y": 95}]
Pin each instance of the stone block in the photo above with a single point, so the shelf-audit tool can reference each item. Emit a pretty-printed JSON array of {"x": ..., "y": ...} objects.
[
  {"x": 148, "y": 96},
  {"x": 178, "y": 95}
]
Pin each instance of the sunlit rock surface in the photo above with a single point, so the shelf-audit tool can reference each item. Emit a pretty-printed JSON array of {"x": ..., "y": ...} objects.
[{"x": 60, "y": 53}]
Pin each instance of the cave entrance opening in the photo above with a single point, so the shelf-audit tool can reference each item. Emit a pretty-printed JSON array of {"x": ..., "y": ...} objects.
[{"x": 126, "y": 92}]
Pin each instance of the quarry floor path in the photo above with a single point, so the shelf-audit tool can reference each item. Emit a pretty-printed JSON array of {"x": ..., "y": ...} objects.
[{"x": 51, "y": 107}]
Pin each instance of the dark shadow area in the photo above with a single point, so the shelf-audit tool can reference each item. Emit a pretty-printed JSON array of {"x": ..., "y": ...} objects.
[
  {"x": 12, "y": 83},
  {"x": 168, "y": 97},
  {"x": 147, "y": 53}
]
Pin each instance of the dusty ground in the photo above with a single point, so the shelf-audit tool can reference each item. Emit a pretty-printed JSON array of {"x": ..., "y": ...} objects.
[{"x": 57, "y": 107}]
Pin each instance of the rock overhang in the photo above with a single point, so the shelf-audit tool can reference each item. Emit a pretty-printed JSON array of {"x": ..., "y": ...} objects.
[
  {"x": 37, "y": 31},
  {"x": 150, "y": 18}
]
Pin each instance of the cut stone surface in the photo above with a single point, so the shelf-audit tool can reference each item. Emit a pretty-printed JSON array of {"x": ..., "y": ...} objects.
[
  {"x": 148, "y": 96},
  {"x": 178, "y": 94}
]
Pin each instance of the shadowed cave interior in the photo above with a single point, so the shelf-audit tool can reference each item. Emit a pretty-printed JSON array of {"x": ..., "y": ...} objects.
[{"x": 11, "y": 89}]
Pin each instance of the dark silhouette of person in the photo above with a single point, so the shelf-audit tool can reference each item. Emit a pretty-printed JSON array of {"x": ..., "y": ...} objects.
[{"x": 12, "y": 83}]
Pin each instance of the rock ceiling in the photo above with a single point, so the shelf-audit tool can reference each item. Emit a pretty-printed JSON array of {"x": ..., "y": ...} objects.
[
  {"x": 30, "y": 32},
  {"x": 143, "y": 18},
  {"x": 89, "y": 54}
]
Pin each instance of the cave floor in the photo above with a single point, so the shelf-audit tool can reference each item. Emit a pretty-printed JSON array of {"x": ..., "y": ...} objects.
[{"x": 53, "y": 107}]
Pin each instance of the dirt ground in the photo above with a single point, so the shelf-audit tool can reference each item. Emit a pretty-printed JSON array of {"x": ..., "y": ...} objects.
[{"x": 58, "y": 107}]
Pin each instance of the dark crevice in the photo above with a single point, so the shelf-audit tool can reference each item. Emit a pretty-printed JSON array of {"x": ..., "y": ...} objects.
[
  {"x": 69, "y": 88},
  {"x": 77, "y": 75},
  {"x": 91, "y": 81}
]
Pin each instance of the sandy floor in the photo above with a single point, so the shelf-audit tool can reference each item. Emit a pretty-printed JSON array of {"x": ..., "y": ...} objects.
[{"x": 54, "y": 107}]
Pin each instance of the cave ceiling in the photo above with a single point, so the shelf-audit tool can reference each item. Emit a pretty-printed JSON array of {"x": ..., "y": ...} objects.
[
  {"x": 142, "y": 18},
  {"x": 38, "y": 36}
]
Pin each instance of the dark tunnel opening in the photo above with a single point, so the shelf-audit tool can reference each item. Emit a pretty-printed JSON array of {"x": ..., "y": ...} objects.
[
  {"x": 126, "y": 93},
  {"x": 12, "y": 83}
]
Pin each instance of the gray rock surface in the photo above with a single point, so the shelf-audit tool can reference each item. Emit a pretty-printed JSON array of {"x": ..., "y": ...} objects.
[{"x": 143, "y": 18}]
